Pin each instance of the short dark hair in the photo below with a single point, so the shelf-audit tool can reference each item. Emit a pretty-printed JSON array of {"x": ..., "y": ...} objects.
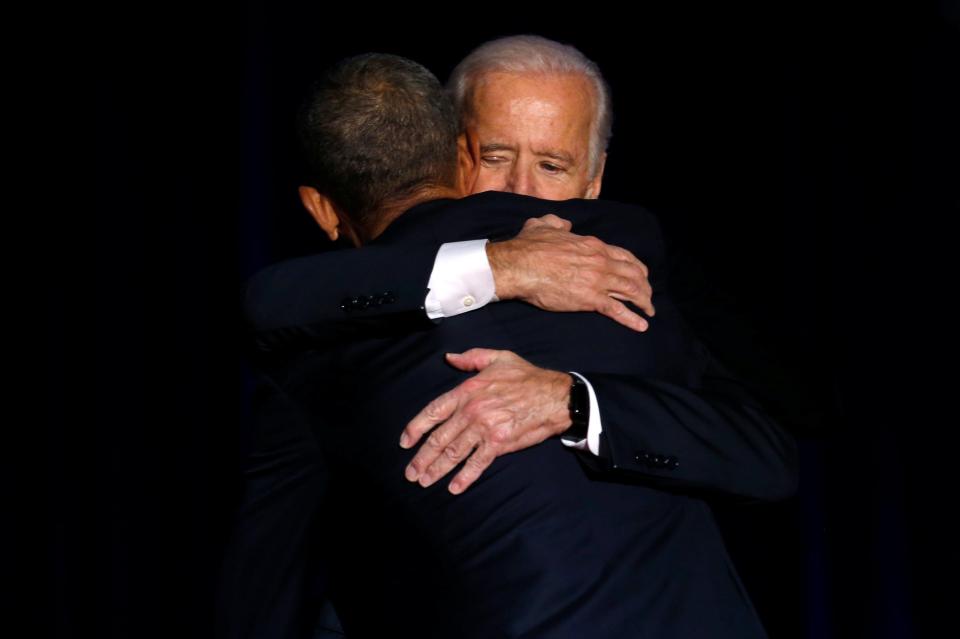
[{"x": 376, "y": 128}]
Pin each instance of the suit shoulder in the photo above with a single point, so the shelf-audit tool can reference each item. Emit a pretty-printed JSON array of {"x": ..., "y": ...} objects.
[
  {"x": 259, "y": 292},
  {"x": 633, "y": 227},
  {"x": 492, "y": 214},
  {"x": 613, "y": 213},
  {"x": 512, "y": 208},
  {"x": 276, "y": 286}
]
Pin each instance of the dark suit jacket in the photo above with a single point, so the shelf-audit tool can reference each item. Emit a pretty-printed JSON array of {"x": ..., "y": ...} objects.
[{"x": 549, "y": 542}]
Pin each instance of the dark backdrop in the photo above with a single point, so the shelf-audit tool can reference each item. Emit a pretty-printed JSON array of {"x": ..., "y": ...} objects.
[{"x": 807, "y": 157}]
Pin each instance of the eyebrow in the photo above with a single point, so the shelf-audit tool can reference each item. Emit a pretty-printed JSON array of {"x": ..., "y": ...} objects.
[
  {"x": 495, "y": 146},
  {"x": 555, "y": 155}
]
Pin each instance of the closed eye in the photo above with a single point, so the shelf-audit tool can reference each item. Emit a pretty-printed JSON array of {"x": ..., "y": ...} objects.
[{"x": 552, "y": 168}]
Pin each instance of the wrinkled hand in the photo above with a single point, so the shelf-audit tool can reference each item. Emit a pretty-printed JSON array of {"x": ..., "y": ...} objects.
[
  {"x": 509, "y": 405},
  {"x": 548, "y": 266}
]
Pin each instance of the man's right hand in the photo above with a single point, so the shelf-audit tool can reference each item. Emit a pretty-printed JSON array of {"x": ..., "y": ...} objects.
[{"x": 548, "y": 266}]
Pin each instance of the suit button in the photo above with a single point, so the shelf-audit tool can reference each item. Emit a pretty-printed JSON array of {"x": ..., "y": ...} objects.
[{"x": 645, "y": 458}]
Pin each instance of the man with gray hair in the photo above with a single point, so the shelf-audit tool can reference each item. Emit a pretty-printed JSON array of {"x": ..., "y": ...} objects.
[
  {"x": 533, "y": 103},
  {"x": 542, "y": 547},
  {"x": 536, "y": 116}
]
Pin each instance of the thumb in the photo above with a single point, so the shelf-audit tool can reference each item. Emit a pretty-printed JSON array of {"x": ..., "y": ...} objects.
[{"x": 475, "y": 359}]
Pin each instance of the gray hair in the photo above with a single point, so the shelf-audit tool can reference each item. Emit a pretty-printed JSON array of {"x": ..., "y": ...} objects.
[{"x": 534, "y": 54}]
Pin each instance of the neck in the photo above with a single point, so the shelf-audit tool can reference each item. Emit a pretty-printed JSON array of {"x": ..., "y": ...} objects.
[{"x": 395, "y": 208}]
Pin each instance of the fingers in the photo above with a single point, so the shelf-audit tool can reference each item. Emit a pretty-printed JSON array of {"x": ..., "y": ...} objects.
[
  {"x": 626, "y": 277},
  {"x": 432, "y": 414},
  {"x": 485, "y": 454},
  {"x": 627, "y": 286},
  {"x": 450, "y": 456},
  {"x": 435, "y": 446},
  {"x": 635, "y": 284},
  {"x": 447, "y": 410},
  {"x": 623, "y": 255},
  {"x": 478, "y": 462},
  {"x": 627, "y": 265},
  {"x": 504, "y": 408},
  {"x": 619, "y": 313}
]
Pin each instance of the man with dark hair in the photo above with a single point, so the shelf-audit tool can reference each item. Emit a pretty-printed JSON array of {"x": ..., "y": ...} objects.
[
  {"x": 541, "y": 545},
  {"x": 354, "y": 134}
]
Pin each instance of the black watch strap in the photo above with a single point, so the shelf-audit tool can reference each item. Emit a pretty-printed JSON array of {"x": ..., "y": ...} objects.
[{"x": 579, "y": 407}]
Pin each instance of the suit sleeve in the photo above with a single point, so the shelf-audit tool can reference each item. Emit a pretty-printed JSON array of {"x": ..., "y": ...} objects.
[
  {"x": 715, "y": 438},
  {"x": 710, "y": 435},
  {"x": 706, "y": 432},
  {"x": 328, "y": 297}
]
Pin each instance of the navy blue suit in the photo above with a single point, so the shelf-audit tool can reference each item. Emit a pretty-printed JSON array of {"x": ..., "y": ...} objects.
[{"x": 549, "y": 542}]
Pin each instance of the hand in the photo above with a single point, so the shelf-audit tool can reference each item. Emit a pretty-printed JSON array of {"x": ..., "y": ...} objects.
[
  {"x": 510, "y": 405},
  {"x": 553, "y": 269}
]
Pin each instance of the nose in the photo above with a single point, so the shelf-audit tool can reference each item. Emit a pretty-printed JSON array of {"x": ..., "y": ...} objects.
[{"x": 519, "y": 181}]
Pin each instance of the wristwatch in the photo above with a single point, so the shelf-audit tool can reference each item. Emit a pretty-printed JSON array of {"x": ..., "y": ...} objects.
[{"x": 579, "y": 408}]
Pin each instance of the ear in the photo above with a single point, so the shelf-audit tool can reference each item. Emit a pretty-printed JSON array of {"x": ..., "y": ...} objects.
[
  {"x": 468, "y": 162},
  {"x": 321, "y": 208},
  {"x": 593, "y": 186}
]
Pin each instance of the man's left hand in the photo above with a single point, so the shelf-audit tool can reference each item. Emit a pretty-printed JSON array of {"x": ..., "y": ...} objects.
[{"x": 508, "y": 406}]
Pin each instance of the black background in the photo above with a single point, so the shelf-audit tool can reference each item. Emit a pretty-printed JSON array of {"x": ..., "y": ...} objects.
[{"x": 807, "y": 156}]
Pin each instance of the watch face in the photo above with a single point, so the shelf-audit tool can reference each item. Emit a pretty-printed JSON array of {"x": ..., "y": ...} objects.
[{"x": 579, "y": 408}]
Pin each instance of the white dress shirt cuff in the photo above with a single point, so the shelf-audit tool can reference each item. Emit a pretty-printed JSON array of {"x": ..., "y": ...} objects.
[
  {"x": 461, "y": 280},
  {"x": 594, "y": 427}
]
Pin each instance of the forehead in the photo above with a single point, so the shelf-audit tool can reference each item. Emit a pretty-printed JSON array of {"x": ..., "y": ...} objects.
[{"x": 518, "y": 108}]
